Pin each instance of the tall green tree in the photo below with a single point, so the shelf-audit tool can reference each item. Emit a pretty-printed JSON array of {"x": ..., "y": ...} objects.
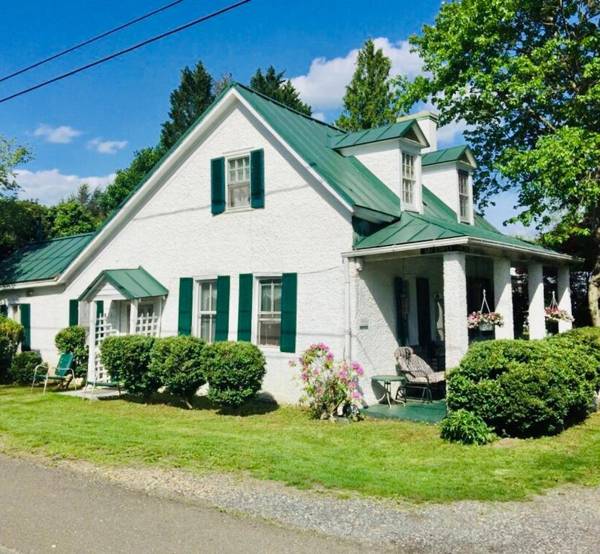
[
  {"x": 368, "y": 98},
  {"x": 11, "y": 156},
  {"x": 70, "y": 217},
  {"x": 272, "y": 83},
  {"x": 188, "y": 101},
  {"x": 524, "y": 75},
  {"x": 21, "y": 222}
]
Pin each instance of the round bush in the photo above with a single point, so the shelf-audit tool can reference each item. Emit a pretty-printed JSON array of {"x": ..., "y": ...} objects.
[
  {"x": 22, "y": 367},
  {"x": 72, "y": 339},
  {"x": 177, "y": 364},
  {"x": 465, "y": 427},
  {"x": 11, "y": 334},
  {"x": 234, "y": 371},
  {"x": 524, "y": 388},
  {"x": 127, "y": 359}
]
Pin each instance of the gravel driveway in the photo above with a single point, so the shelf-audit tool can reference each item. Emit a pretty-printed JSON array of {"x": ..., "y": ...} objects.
[{"x": 564, "y": 520}]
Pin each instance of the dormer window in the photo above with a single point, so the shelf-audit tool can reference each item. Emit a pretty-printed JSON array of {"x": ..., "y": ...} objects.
[
  {"x": 238, "y": 182},
  {"x": 409, "y": 182},
  {"x": 464, "y": 196}
]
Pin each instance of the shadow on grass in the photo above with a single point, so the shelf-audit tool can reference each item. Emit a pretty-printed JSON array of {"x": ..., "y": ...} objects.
[{"x": 259, "y": 405}]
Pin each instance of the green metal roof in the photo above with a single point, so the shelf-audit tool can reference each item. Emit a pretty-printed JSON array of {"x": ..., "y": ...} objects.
[
  {"x": 310, "y": 139},
  {"x": 388, "y": 132},
  {"x": 436, "y": 222},
  {"x": 453, "y": 154},
  {"x": 42, "y": 260},
  {"x": 131, "y": 283}
]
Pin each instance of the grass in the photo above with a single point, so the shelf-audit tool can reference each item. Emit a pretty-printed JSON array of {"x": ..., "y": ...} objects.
[{"x": 401, "y": 460}]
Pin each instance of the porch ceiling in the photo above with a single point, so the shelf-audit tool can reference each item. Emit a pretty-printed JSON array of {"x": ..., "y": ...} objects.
[{"x": 131, "y": 283}]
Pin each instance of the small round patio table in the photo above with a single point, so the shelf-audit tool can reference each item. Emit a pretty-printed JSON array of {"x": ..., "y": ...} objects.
[{"x": 386, "y": 381}]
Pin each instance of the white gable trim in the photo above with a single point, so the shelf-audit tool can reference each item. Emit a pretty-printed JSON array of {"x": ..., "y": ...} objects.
[{"x": 162, "y": 172}]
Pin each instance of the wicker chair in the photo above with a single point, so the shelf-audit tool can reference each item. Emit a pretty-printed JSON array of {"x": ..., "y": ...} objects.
[{"x": 417, "y": 372}]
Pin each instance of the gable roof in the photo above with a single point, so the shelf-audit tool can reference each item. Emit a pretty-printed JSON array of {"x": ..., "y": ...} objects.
[
  {"x": 452, "y": 154},
  {"x": 438, "y": 222},
  {"x": 403, "y": 129},
  {"x": 131, "y": 283},
  {"x": 41, "y": 261}
]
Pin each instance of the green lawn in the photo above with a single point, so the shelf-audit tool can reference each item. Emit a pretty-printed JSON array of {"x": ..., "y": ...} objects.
[{"x": 395, "y": 459}]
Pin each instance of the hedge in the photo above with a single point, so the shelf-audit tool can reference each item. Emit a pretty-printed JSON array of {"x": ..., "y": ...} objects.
[
  {"x": 22, "y": 367},
  {"x": 11, "y": 334},
  {"x": 72, "y": 339}
]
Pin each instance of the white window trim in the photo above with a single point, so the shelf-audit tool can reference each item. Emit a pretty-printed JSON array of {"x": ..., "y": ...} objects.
[
  {"x": 469, "y": 219},
  {"x": 417, "y": 205},
  {"x": 235, "y": 156},
  {"x": 198, "y": 280},
  {"x": 257, "y": 278}
]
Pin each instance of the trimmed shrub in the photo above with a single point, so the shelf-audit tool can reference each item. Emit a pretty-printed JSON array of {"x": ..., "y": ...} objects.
[
  {"x": 11, "y": 334},
  {"x": 234, "y": 371},
  {"x": 524, "y": 388},
  {"x": 127, "y": 360},
  {"x": 72, "y": 339},
  {"x": 22, "y": 367},
  {"x": 177, "y": 364},
  {"x": 465, "y": 427}
]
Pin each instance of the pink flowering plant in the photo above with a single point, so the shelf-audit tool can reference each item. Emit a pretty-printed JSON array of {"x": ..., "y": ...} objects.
[
  {"x": 475, "y": 320},
  {"x": 554, "y": 313},
  {"x": 330, "y": 387}
]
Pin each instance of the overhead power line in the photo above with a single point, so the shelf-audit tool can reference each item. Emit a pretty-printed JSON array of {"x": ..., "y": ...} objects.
[
  {"x": 127, "y": 50},
  {"x": 91, "y": 40}
]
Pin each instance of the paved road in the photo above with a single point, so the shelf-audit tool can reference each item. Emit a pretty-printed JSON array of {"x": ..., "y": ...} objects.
[{"x": 46, "y": 509}]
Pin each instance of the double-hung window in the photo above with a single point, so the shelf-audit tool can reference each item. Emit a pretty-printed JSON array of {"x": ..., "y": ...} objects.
[
  {"x": 463, "y": 195},
  {"x": 269, "y": 312},
  {"x": 207, "y": 310},
  {"x": 409, "y": 182},
  {"x": 238, "y": 182}
]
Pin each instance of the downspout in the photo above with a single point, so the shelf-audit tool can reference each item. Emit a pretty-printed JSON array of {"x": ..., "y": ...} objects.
[{"x": 347, "y": 312}]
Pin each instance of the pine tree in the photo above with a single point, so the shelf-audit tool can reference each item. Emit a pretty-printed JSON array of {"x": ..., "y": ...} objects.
[
  {"x": 274, "y": 85},
  {"x": 368, "y": 98},
  {"x": 188, "y": 102}
]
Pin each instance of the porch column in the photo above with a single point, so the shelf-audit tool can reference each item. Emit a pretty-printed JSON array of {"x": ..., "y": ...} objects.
[
  {"x": 537, "y": 319},
  {"x": 564, "y": 296},
  {"x": 503, "y": 298},
  {"x": 455, "y": 307},
  {"x": 91, "y": 372},
  {"x": 133, "y": 316}
]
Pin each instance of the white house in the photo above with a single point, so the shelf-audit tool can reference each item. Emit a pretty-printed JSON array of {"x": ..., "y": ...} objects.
[{"x": 265, "y": 225}]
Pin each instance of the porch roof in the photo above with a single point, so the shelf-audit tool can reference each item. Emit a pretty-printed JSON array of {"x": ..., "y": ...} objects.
[
  {"x": 439, "y": 223},
  {"x": 131, "y": 283}
]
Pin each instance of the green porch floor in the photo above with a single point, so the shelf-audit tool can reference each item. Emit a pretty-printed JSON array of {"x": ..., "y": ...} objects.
[{"x": 413, "y": 410}]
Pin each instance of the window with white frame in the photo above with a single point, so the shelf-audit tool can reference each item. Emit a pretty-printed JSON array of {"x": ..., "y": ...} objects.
[
  {"x": 464, "y": 196},
  {"x": 269, "y": 312},
  {"x": 409, "y": 181},
  {"x": 238, "y": 182},
  {"x": 207, "y": 310}
]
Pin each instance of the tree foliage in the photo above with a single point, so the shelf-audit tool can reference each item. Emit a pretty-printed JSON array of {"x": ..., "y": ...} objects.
[
  {"x": 272, "y": 83},
  {"x": 523, "y": 75},
  {"x": 21, "y": 222},
  {"x": 11, "y": 156},
  {"x": 368, "y": 100}
]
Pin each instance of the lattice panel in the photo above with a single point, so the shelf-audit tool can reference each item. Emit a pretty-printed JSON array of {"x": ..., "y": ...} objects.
[{"x": 147, "y": 325}]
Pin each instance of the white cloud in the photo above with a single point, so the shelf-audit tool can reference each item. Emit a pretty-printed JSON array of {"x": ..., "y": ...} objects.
[
  {"x": 106, "y": 146},
  {"x": 324, "y": 85},
  {"x": 56, "y": 135},
  {"x": 50, "y": 185},
  {"x": 320, "y": 116},
  {"x": 451, "y": 134}
]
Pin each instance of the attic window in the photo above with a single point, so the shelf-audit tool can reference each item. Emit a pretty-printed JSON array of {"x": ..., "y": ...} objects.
[
  {"x": 463, "y": 195},
  {"x": 238, "y": 182},
  {"x": 409, "y": 181}
]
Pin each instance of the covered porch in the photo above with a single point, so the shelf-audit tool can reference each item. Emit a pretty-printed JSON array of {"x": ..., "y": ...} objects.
[
  {"x": 420, "y": 296},
  {"x": 120, "y": 302}
]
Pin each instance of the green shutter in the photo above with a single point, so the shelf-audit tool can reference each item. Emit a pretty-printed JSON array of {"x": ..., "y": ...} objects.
[
  {"x": 73, "y": 312},
  {"x": 222, "y": 322},
  {"x": 99, "y": 308},
  {"x": 401, "y": 294},
  {"x": 217, "y": 184},
  {"x": 25, "y": 311},
  {"x": 186, "y": 293},
  {"x": 245, "y": 308},
  {"x": 257, "y": 179},
  {"x": 289, "y": 302}
]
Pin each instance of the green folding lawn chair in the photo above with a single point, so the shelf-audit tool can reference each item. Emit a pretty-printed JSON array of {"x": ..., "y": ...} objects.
[{"x": 63, "y": 373}]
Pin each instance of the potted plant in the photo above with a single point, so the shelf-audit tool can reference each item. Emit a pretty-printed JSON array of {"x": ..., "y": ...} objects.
[
  {"x": 485, "y": 319},
  {"x": 554, "y": 313}
]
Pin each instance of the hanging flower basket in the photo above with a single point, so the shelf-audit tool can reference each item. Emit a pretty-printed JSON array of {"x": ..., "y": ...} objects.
[
  {"x": 554, "y": 313},
  {"x": 485, "y": 319}
]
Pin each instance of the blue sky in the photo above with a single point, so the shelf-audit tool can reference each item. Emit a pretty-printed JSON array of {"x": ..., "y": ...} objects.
[{"x": 87, "y": 126}]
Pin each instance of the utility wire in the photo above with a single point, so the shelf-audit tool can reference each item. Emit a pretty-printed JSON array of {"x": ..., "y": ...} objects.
[
  {"x": 127, "y": 50},
  {"x": 91, "y": 40}
]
